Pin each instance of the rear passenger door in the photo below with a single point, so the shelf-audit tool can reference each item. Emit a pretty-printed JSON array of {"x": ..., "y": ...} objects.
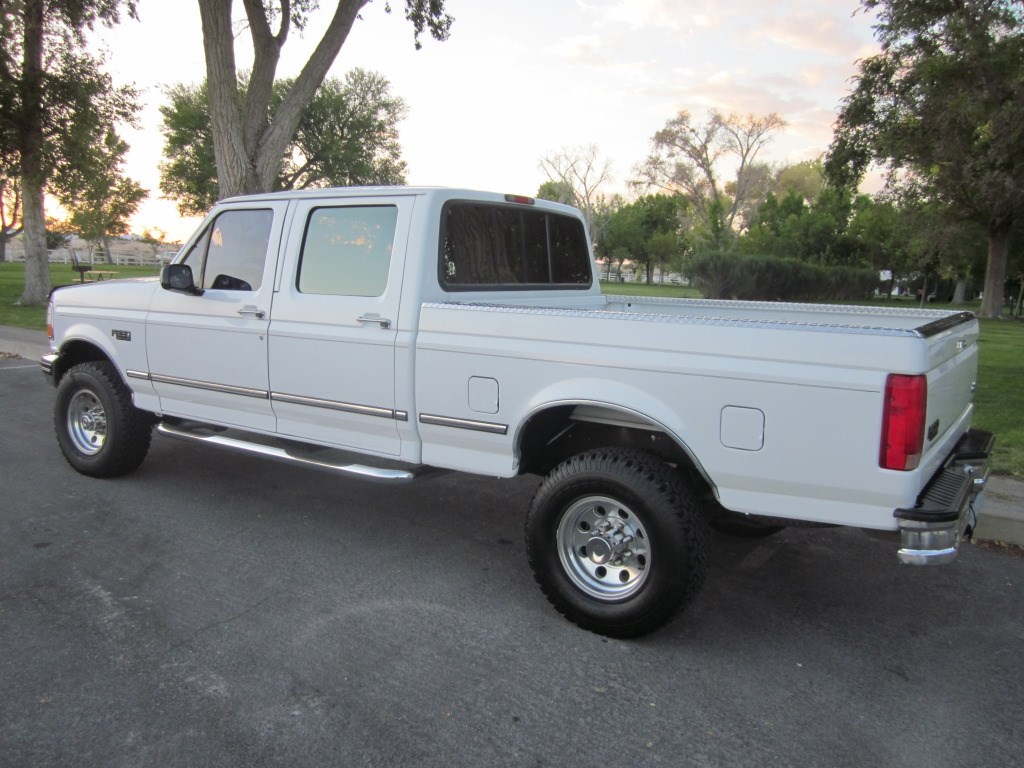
[{"x": 335, "y": 323}]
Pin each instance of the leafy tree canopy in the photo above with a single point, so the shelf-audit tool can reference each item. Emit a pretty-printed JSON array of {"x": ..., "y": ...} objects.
[
  {"x": 685, "y": 160},
  {"x": 943, "y": 104},
  {"x": 250, "y": 137},
  {"x": 347, "y": 135},
  {"x": 646, "y": 231},
  {"x": 55, "y": 103},
  {"x": 100, "y": 198}
]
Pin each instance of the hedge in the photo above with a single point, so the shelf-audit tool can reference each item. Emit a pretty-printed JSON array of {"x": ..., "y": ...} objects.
[{"x": 755, "y": 277}]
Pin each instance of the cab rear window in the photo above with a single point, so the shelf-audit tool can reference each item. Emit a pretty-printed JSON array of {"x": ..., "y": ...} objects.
[{"x": 491, "y": 246}]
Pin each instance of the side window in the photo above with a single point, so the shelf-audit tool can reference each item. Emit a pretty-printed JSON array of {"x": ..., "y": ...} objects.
[
  {"x": 346, "y": 250},
  {"x": 232, "y": 252},
  {"x": 499, "y": 246},
  {"x": 196, "y": 254}
]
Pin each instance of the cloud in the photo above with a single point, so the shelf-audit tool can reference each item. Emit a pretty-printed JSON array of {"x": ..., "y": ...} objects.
[
  {"x": 584, "y": 49},
  {"x": 665, "y": 15},
  {"x": 593, "y": 52},
  {"x": 809, "y": 31}
]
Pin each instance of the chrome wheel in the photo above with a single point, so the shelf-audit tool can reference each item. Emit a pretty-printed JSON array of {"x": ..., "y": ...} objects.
[
  {"x": 87, "y": 422},
  {"x": 603, "y": 548}
]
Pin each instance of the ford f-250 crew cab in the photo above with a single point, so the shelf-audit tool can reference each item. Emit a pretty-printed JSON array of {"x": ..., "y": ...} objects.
[{"x": 378, "y": 332}]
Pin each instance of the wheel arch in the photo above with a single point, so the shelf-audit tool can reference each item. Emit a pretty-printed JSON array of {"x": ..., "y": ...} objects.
[
  {"x": 554, "y": 430},
  {"x": 78, "y": 350}
]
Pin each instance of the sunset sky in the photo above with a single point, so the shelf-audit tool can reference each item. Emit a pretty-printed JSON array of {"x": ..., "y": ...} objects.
[{"x": 518, "y": 80}]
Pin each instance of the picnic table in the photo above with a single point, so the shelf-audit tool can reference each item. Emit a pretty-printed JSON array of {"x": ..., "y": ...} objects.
[{"x": 96, "y": 275}]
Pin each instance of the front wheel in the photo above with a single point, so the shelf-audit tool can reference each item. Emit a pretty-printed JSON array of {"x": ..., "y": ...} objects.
[
  {"x": 100, "y": 432},
  {"x": 617, "y": 541}
]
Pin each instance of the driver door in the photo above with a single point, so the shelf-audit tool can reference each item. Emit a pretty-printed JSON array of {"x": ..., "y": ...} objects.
[{"x": 208, "y": 352}]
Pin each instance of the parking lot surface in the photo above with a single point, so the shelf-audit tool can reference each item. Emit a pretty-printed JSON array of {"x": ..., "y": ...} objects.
[{"x": 216, "y": 610}]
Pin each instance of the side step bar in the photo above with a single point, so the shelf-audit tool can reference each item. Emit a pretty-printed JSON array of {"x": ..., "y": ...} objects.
[{"x": 318, "y": 459}]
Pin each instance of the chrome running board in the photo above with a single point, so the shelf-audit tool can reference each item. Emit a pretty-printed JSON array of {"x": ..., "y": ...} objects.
[{"x": 316, "y": 457}]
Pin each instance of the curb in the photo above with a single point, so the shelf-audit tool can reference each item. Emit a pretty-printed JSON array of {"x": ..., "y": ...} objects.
[
  {"x": 30, "y": 345},
  {"x": 1001, "y": 520}
]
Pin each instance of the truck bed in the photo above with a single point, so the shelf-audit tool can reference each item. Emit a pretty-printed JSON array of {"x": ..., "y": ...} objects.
[{"x": 834, "y": 318}]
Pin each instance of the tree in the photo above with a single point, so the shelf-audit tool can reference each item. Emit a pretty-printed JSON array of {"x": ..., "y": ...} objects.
[
  {"x": 557, "y": 192},
  {"x": 100, "y": 198},
  {"x": 154, "y": 237},
  {"x": 647, "y": 230},
  {"x": 59, "y": 234},
  {"x": 806, "y": 179},
  {"x": 790, "y": 228},
  {"x": 347, "y": 135},
  {"x": 877, "y": 229},
  {"x": 685, "y": 161},
  {"x": 577, "y": 174},
  {"x": 250, "y": 137},
  {"x": 55, "y": 102},
  {"x": 938, "y": 244},
  {"x": 944, "y": 103},
  {"x": 10, "y": 211}
]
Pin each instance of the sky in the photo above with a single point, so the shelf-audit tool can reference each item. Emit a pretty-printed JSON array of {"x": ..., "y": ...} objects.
[{"x": 520, "y": 80}]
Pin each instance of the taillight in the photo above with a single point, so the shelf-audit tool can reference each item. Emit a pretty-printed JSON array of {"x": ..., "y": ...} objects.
[
  {"x": 906, "y": 404},
  {"x": 49, "y": 320}
]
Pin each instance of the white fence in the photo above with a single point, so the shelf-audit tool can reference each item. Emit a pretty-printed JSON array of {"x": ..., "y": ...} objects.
[{"x": 16, "y": 252}]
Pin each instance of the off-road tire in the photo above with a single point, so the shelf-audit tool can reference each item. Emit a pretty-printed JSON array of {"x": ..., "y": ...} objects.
[
  {"x": 659, "y": 572},
  {"x": 100, "y": 432}
]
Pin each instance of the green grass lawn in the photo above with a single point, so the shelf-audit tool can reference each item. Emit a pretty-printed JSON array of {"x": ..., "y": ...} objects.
[
  {"x": 999, "y": 400},
  {"x": 1000, "y": 396},
  {"x": 665, "y": 291},
  {"x": 12, "y": 282}
]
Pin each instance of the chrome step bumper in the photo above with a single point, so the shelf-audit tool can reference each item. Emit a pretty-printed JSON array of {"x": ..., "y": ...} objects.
[{"x": 947, "y": 509}]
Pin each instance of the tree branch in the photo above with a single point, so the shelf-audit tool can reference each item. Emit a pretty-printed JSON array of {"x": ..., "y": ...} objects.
[{"x": 285, "y": 121}]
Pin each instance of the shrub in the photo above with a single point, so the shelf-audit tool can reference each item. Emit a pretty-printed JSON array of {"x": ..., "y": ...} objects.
[{"x": 757, "y": 277}]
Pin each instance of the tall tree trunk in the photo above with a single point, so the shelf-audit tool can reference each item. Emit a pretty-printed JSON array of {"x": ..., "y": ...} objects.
[
  {"x": 37, "y": 268},
  {"x": 37, "y": 265},
  {"x": 995, "y": 273},
  {"x": 248, "y": 144},
  {"x": 960, "y": 291},
  {"x": 236, "y": 173}
]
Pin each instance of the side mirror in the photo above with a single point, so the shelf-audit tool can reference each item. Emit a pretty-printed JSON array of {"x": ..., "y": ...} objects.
[{"x": 178, "y": 277}]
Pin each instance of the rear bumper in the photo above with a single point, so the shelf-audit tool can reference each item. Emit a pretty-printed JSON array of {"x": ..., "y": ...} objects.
[{"x": 947, "y": 509}]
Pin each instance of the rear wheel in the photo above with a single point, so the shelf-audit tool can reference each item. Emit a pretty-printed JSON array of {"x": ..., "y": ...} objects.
[
  {"x": 617, "y": 541},
  {"x": 100, "y": 432}
]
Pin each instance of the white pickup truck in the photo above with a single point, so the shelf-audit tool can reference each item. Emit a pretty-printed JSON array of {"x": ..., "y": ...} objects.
[{"x": 381, "y": 332}]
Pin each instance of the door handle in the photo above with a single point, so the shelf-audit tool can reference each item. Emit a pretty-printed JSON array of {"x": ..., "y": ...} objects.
[
  {"x": 373, "y": 317},
  {"x": 249, "y": 309}
]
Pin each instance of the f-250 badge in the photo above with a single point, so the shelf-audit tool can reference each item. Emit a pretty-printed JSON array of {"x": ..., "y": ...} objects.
[{"x": 121, "y": 335}]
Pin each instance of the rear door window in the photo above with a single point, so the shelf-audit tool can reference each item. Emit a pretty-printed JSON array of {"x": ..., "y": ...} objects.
[{"x": 346, "y": 250}]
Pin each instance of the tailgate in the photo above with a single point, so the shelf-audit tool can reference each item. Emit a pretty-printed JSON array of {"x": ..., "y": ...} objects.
[{"x": 952, "y": 379}]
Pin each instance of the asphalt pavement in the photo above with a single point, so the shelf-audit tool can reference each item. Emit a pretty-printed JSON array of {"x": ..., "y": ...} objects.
[{"x": 216, "y": 610}]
